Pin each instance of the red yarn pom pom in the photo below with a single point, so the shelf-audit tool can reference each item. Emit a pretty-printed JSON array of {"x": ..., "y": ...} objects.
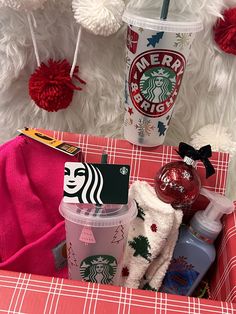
[
  {"x": 225, "y": 31},
  {"x": 51, "y": 87}
]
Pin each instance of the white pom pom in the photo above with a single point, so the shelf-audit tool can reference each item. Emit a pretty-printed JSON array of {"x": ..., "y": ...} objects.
[
  {"x": 218, "y": 137},
  {"x": 26, "y": 5},
  {"x": 101, "y": 17}
]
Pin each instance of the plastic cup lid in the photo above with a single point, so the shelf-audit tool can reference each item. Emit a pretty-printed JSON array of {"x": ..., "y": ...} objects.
[
  {"x": 103, "y": 216},
  {"x": 149, "y": 19}
]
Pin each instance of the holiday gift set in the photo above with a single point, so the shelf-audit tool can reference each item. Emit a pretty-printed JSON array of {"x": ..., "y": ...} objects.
[
  {"x": 144, "y": 165},
  {"x": 122, "y": 212},
  {"x": 97, "y": 207}
]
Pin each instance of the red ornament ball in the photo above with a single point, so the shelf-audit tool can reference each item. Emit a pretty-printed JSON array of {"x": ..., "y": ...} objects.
[
  {"x": 51, "y": 87},
  {"x": 225, "y": 31},
  {"x": 177, "y": 184}
]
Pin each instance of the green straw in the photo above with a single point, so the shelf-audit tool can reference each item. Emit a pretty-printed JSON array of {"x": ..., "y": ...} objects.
[
  {"x": 165, "y": 9},
  {"x": 104, "y": 157}
]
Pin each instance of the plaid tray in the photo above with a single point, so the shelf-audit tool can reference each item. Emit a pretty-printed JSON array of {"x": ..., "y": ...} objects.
[
  {"x": 25, "y": 293},
  {"x": 223, "y": 283},
  {"x": 144, "y": 162}
]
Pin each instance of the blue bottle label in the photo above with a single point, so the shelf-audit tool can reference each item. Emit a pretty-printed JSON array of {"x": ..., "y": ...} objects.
[{"x": 180, "y": 277}]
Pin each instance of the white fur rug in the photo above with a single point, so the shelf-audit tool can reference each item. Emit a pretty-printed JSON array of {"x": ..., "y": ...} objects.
[{"x": 209, "y": 84}]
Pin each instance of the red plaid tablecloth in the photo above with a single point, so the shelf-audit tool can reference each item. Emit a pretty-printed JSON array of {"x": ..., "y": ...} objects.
[{"x": 26, "y": 293}]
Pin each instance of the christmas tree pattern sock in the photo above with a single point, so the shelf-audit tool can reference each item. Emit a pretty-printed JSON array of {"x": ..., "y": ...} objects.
[
  {"x": 148, "y": 233},
  {"x": 157, "y": 269}
]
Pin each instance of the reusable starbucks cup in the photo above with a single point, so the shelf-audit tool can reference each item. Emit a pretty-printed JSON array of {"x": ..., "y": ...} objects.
[
  {"x": 156, "y": 57},
  {"x": 96, "y": 240}
]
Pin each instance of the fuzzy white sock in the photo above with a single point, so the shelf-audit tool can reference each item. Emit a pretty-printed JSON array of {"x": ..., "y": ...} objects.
[
  {"x": 148, "y": 233},
  {"x": 157, "y": 269}
]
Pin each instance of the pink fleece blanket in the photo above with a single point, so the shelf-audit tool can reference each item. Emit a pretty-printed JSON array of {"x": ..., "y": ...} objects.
[{"x": 31, "y": 229}]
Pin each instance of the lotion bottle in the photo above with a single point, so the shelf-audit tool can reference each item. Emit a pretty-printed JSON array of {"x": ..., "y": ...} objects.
[{"x": 195, "y": 252}]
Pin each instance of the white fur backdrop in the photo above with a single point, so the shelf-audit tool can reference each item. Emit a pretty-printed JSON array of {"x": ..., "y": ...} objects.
[{"x": 208, "y": 90}]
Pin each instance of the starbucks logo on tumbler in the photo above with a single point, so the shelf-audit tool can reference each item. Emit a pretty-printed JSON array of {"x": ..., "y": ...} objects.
[
  {"x": 154, "y": 81},
  {"x": 158, "y": 84},
  {"x": 98, "y": 268}
]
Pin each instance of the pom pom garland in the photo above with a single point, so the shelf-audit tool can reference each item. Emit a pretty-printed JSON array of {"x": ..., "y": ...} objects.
[
  {"x": 51, "y": 87},
  {"x": 225, "y": 31},
  {"x": 24, "y": 5},
  {"x": 101, "y": 17},
  {"x": 218, "y": 136}
]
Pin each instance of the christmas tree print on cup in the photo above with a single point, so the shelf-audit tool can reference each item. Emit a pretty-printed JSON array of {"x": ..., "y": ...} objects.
[
  {"x": 156, "y": 57},
  {"x": 119, "y": 235},
  {"x": 87, "y": 236},
  {"x": 96, "y": 243}
]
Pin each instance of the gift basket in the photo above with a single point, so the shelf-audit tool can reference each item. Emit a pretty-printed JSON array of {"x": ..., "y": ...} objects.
[{"x": 93, "y": 223}]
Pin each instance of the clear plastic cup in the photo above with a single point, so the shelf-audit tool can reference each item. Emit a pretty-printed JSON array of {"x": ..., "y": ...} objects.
[
  {"x": 156, "y": 57},
  {"x": 96, "y": 238}
]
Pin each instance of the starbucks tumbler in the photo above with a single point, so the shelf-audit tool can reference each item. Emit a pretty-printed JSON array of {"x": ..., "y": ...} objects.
[
  {"x": 156, "y": 57},
  {"x": 96, "y": 238}
]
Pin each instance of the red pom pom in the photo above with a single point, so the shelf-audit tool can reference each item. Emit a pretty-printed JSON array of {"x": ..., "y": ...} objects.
[
  {"x": 177, "y": 184},
  {"x": 51, "y": 87},
  {"x": 225, "y": 31}
]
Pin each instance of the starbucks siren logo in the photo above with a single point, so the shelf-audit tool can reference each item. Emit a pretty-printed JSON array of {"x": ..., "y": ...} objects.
[
  {"x": 98, "y": 268},
  {"x": 157, "y": 84},
  {"x": 154, "y": 81}
]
